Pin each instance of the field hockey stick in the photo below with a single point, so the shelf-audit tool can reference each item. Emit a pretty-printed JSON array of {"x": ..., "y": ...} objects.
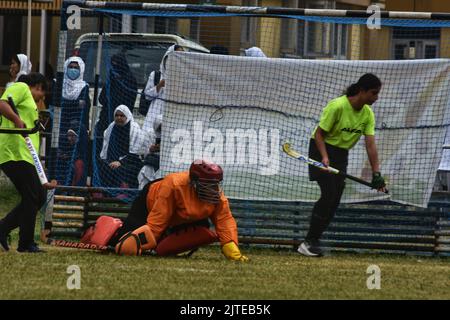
[
  {"x": 294, "y": 154},
  {"x": 86, "y": 246},
  {"x": 36, "y": 128},
  {"x": 78, "y": 245},
  {"x": 34, "y": 155}
]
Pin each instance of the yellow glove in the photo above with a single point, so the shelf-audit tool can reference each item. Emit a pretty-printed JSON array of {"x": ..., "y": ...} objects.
[{"x": 231, "y": 251}]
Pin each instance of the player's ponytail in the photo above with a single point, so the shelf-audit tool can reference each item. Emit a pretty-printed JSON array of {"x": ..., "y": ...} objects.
[
  {"x": 367, "y": 82},
  {"x": 353, "y": 90}
]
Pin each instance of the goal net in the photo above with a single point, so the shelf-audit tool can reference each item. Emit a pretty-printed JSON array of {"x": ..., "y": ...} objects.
[{"x": 225, "y": 100}]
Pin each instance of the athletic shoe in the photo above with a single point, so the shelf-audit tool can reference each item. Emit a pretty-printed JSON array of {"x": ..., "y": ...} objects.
[
  {"x": 310, "y": 249},
  {"x": 32, "y": 248}
]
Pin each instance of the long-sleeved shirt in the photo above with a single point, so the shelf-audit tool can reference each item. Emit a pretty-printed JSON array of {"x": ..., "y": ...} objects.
[{"x": 174, "y": 201}]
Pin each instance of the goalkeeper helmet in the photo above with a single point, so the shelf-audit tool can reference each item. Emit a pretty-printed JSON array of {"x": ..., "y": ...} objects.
[{"x": 206, "y": 177}]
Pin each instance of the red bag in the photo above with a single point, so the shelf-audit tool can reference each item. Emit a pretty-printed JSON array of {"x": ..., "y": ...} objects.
[
  {"x": 87, "y": 235},
  {"x": 185, "y": 240},
  {"x": 105, "y": 228}
]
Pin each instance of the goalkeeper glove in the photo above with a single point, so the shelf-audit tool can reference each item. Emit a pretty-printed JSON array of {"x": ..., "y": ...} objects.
[
  {"x": 378, "y": 181},
  {"x": 231, "y": 251}
]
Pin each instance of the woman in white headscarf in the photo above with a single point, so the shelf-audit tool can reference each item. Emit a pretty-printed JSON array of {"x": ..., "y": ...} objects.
[
  {"x": 75, "y": 102},
  {"x": 154, "y": 90},
  {"x": 75, "y": 106},
  {"x": 20, "y": 64},
  {"x": 255, "y": 52},
  {"x": 123, "y": 144}
]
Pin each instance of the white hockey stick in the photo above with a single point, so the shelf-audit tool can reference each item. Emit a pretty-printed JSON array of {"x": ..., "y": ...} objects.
[{"x": 291, "y": 152}]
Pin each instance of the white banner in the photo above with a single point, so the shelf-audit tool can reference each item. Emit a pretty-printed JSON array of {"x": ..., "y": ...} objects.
[
  {"x": 445, "y": 161},
  {"x": 238, "y": 111}
]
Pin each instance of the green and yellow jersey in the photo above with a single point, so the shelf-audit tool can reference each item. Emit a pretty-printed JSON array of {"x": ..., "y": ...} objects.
[
  {"x": 345, "y": 125},
  {"x": 13, "y": 147}
]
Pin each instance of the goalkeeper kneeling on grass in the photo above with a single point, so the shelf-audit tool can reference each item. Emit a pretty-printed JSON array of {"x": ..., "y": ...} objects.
[{"x": 182, "y": 203}]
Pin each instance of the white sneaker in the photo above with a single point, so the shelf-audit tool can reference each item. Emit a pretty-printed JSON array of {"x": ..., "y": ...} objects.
[{"x": 309, "y": 250}]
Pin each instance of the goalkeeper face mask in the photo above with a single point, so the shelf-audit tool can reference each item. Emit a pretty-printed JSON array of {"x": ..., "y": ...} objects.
[
  {"x": 206, "y": 177},
  {"x": 208, "y": 190}
]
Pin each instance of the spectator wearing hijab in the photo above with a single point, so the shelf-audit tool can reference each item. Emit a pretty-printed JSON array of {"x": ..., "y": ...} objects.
[
  {"x": 255, "y": 52},
  {"x": 76, "y": 157},
  {"x": 20, "y": 64},
  {"x": 75, "y": 106},
  {"x": 120, "y": 89},
  {"x": 155, "y": 91},
  {"x": 78, "y": 172},
  {"x": 123, "y": 144},
  {"x": 75, "y": 103}
]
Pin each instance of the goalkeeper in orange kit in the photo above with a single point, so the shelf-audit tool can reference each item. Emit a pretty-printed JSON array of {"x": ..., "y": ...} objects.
[{"x": 182, "y": 199}]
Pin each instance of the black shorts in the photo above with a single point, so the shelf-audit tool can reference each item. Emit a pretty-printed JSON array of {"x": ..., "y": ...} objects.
[{"x": 338, "y": 159}]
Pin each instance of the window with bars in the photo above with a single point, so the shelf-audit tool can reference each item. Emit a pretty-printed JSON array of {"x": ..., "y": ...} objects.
[
  {"x": 415, "y": 43},
  {"x": 307, "y": 39},
  {"x": 194, "y": 30}
]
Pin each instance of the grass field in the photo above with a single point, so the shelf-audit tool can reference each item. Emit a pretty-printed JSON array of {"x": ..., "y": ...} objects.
[{"x": 270, "y": 274}]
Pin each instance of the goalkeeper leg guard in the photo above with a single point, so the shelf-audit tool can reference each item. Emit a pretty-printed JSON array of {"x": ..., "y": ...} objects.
[{"x": 134, "y": 243}]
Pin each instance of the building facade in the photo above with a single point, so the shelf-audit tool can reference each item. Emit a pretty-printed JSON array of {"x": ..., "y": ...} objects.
[{"x": 289, "y": 38}]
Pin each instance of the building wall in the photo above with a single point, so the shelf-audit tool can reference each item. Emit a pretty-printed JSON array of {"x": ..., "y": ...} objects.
[
  {"x": 356, "y": 38},
  {"x": 418, "y": 5},
  {"x": 54, "y": 6},
  {"x": 362, "y": 3},
  {"x": 230, "y": 28},
  {"x": 270, "y": 40},
  {"x": 445, "y": 43},
  {"x": 377, "y": 44}
]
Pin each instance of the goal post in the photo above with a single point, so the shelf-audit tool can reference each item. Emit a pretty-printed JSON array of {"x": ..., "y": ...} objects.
[{"x": 238, "y": 110}]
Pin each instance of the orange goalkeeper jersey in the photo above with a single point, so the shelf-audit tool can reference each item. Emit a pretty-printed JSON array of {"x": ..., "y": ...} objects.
[{"x": 173, "y": 201}]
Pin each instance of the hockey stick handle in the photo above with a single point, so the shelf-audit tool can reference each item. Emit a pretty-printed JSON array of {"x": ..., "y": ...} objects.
[
  {"x": 357, "y": 180},
  {"x": 37, "y": 162},
  {"x": 333, "y": 170},
  {"x": 287, "y": 149},
  {"x": 36, "y": 128}
]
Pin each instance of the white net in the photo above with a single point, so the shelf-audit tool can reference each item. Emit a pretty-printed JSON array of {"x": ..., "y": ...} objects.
[{"x": 238, "y": 111}]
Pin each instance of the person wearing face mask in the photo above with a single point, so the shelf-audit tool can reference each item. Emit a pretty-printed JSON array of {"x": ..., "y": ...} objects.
[
  {"x": 75, "y": 107},
  {"x": 20, "y": 64},
  {"x": 123, "y": 144}
]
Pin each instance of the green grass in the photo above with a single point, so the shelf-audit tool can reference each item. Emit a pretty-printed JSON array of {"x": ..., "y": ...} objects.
[{"x": 270, "y": 274}]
